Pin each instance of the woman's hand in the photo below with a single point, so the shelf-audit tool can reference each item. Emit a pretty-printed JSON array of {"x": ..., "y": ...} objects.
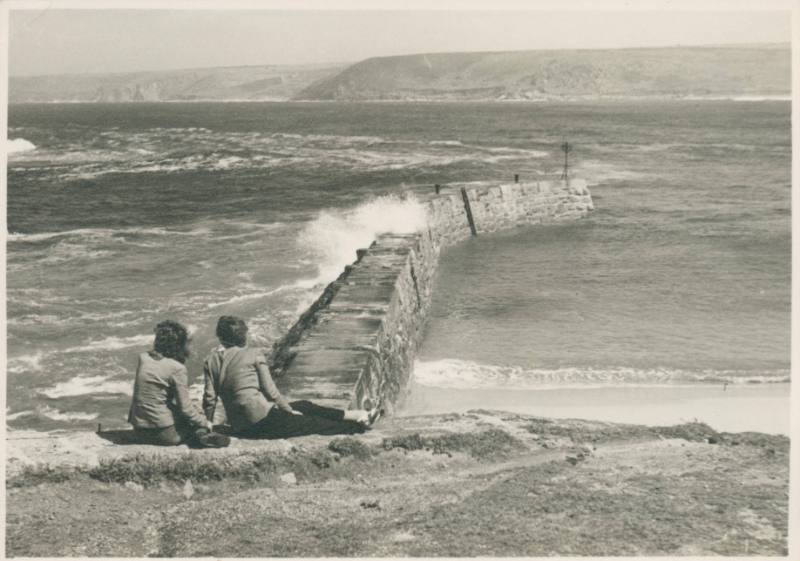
[{"x": 296, "y": 412}]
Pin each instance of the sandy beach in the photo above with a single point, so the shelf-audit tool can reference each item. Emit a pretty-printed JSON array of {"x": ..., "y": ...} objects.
[{"x": 718, "y": 406}]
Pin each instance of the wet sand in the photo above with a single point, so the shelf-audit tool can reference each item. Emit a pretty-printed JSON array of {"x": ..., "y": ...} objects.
[{"x": 735, "y": 408}]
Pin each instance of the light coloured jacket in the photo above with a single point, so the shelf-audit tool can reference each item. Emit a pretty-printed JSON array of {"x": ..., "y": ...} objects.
[
  {"x": 161, "y": 394},
  {"x": 240, "y": 377}
]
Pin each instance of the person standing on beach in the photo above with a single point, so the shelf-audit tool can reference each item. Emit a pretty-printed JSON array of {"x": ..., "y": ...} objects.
[
  {"x": 240, "y": 376},
  {"x": 162, "y": 412}
]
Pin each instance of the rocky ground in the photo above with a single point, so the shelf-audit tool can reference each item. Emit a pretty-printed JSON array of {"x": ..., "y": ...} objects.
[{"x": 478, "y": 484}]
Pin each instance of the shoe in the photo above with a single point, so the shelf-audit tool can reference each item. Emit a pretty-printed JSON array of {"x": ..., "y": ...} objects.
[
  {"x": 213, "y": 440},
  {"x": 373, "y": 410}
]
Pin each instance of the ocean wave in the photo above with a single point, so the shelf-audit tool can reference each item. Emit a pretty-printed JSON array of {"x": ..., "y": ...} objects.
[
  {"x": 463, "y": 374},
  {"x": 64, "y": 251},
  {"x": 164, "y": 150},
  {"x": 112, "y": 343},
  {"x": 18, "y": 415},
  {"x": 600, "y": 172},
  {"x": 334, "y": 236},
  {"x": 446, "y": 143},
  {"x": 25, "y": 363},
  {"x": 303, "y": 284},
  {"x": 16, "y": 145},
  {"x": 86, "y": 385},
  {"x": 57, "y": 415},
  {"x": 105, "y": 234}
]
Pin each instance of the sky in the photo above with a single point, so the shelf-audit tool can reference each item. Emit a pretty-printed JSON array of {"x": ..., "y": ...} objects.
[{"x": 59, "y": 41}]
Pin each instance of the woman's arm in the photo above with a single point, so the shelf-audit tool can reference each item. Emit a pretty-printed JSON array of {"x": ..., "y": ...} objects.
[
  {"x": 184, "y": 403},
  {"x": 209, "y": 391},
  {"x": 269, "y": 388}
]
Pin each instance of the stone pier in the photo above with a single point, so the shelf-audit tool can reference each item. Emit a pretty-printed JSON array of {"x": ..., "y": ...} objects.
[{"x": 360, "y": 337}]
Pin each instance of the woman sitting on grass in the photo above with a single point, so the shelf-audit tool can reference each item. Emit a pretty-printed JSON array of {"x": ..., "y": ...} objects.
[
  {"x": 255, "y": 408},
  {"x": 162, "y": 412}
]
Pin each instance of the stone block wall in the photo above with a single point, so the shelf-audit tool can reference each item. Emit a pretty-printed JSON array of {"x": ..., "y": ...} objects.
[{"x": 360, "y": 337}]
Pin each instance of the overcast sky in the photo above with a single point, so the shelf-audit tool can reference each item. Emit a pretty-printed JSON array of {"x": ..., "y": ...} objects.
[{"x": 81, "y": 41}]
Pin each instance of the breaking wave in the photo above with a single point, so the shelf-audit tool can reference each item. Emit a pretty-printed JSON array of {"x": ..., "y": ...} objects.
[
  {"x": 112, "y": 344},
  {"x": 334, "y": 236},
  {"x": 464, "y": 374},
  {"x": 15, "y": 145},
  {"x": 85, "y": 385},
  {"x": 57, "y": 415},
  {"x": 25, "y": 363}
]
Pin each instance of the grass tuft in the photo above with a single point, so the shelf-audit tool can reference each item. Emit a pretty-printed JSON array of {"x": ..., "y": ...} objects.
[
  {"x": 350, "y": 447},
  {"x": 485, "y": 444}
]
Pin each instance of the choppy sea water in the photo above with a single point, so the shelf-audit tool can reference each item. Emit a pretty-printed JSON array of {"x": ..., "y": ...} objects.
[{"x": 121, "y": 215}]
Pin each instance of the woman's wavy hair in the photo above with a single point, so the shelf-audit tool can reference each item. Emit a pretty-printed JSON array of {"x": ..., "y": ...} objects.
[
  {"x": 172, "y": 340},
  {"x": 232, "y": 331}
]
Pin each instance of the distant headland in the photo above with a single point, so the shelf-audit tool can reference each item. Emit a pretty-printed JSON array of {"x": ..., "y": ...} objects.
[{"x": 691, "y": 72}]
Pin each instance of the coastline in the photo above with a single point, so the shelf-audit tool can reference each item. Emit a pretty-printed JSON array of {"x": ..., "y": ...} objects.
[
  {"x": 718, "y": 406},
  {"x": 554, "y": 99},
  {"x": 482, "y": 482}
]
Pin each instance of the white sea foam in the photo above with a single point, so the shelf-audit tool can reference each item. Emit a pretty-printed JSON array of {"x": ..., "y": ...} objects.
[
  {"x": 57, "y": 415},
  {"x": 18, "y": 415},
  {"x": 105, "y": 234},
  {"x": 112, "y": 343},
  {"x": 334, "y": 236},
  {"x": 85, "y": 385},
  {"x": 25, "y": 363},
  {"x": 16, "y": 145},
  {"x": 464, "y": 374},
  {"x": 302, "y": 284},
  {"x": 446, "y": 143}
]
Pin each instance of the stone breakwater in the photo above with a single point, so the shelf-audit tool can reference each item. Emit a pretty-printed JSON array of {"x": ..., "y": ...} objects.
[{"x": 360, "y": 337}]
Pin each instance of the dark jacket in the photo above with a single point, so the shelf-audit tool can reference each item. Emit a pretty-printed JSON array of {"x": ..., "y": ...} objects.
[{"x": 161, "y": 395}]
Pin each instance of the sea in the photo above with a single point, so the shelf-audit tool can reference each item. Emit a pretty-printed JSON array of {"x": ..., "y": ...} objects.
[{"x": 669, "y": 303}]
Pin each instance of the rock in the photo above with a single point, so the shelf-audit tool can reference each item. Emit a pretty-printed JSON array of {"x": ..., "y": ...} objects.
[
  {"x": 289, "y": 478},
  {"x": 188, "y": 489},
  {"x": 133, "y": 486},
  {"x": 368, "y": 503}
]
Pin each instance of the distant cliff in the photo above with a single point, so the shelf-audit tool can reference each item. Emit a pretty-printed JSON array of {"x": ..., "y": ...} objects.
[
  {"x": 671, "y": 72},
  {"x": 648, "y": 72},
  {"x": 257, "y": 83}
]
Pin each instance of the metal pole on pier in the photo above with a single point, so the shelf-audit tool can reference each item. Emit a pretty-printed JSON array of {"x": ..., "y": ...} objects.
[{"x": 567, "y": 149}]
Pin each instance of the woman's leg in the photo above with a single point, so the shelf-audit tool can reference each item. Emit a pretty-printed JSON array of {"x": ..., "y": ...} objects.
[
  {"x": 309, "y": 408},
  {"x": 166, "y": 436},
  {"x": 280, "y": 424}
]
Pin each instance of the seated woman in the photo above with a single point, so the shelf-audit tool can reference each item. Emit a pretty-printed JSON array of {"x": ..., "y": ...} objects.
[
  {"x": 255, "y": 408},
  {"x": 162, "y": 412}
]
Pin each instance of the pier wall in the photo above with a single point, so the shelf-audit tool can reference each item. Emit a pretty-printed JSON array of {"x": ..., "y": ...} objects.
[{"x": 360, "y": 337}]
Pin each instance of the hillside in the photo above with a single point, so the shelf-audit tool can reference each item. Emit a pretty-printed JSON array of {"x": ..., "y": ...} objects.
[
  {"x": 757, "y": 70},
  {"x": 650, "y": 72},
  {"x": 256, "y": 83}
]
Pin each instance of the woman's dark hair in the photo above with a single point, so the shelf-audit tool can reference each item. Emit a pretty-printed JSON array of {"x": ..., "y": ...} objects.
[
  {"x": 232, "y": 331},
  {"x": 172, "y": 340}
]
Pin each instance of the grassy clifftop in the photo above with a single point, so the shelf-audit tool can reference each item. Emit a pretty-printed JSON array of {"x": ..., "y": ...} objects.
[
  {"x": 482, "y": 483},
  {"x": 670, "y": 72}
]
